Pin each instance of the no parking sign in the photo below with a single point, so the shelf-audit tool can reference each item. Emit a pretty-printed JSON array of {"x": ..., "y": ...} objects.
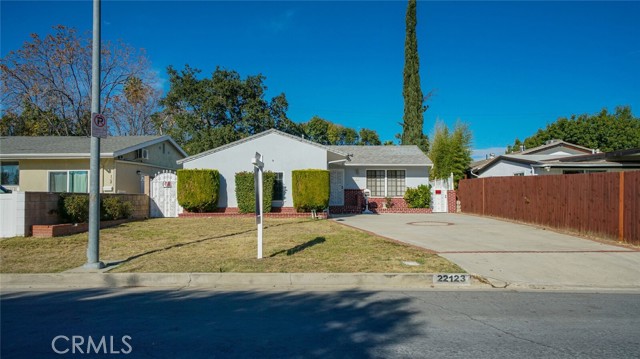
[{"x": 99, "y": 126}]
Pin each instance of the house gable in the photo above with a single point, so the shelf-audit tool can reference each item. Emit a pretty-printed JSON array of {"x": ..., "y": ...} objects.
[{"x": 281, "y": 153}]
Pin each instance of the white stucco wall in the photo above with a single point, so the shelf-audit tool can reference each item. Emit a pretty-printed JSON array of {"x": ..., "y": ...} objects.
[
  {"x": 280, "y": 154},
  {"x": 356, "y": 177},
  {"x": 506, "y": 168}
]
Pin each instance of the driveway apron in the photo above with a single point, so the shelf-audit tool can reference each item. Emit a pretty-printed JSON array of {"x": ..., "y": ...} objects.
[{"x": 510, "y": 254}]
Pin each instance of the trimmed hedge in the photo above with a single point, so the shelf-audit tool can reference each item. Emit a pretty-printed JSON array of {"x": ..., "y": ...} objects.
[
  {"x": 245, "y": 191},
  {"x": 114, "y": 208},
  {"x": 74, "y": 208},
  {"x": 310, "y": 190},
  {"x": 419, "y": 197},
  {"x": 198, "y": 189}
]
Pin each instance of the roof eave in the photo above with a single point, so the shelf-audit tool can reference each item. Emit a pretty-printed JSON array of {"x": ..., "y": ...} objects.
[
  {"x": 150, "y": 143},
  {"x": 51, "y": 155},
  {"x": 390, "y": 164}
]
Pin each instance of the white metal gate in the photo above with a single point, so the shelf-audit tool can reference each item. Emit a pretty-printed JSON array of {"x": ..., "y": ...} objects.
[
  {"x": 336, "y": 184},
  {"x": 164, "y": 196},
  {"x": 439, "y": 195}
]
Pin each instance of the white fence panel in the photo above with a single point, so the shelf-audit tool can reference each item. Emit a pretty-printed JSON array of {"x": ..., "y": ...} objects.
[
  {"x": 164, "y": 196},
  {"x": 12, "y": 218}
]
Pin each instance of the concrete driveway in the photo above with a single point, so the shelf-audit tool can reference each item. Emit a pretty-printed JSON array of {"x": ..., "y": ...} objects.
[{"x": 509, "y": 254}]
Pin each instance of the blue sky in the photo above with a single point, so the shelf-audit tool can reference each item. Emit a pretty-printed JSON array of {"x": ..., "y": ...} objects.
[{"x": 505, "y": 68}]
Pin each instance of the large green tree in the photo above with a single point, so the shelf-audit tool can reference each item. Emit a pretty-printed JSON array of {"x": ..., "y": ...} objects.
[
  {"x": 450, "y": 151},
  {"x": 605, "y": 131},
  {"x": 204, "y": 113},
  {"x": 326, "y": 132},
  {"x": 46, "y": 85},
  {"x": 413, "y": 121}
]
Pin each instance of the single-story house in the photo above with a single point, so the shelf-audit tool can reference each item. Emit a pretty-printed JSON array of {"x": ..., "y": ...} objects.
[
  {"x": 385, "y": 170},
  {"x": 552, "y": 158},
  {"x": 61, "y": 163}
]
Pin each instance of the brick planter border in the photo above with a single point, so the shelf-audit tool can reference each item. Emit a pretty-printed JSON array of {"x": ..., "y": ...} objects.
[
  {"x": 66, "y": 229},
  {"x": 284, "y": 212}
]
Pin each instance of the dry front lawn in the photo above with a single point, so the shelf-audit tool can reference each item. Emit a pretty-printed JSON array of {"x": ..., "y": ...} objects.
[{"x": 223, "y": 245}]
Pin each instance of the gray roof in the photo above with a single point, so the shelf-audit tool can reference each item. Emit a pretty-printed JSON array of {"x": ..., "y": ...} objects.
[
  {"x": 556, "y": 143},
  {"x": 258, "y": 135},
  {"x": 385, "y": 155},
  {"x": 74, "y": 146}
]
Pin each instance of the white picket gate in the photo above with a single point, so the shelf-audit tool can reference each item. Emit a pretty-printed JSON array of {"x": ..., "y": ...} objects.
[
  {"x": 439, "y": 194},
  {"x": 164, "y": 196}
]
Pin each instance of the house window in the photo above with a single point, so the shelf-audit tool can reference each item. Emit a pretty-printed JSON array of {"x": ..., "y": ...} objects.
[
  {"x": 395, "y": 183},
  {"x": 278, "y": 187},
  {"x": 572, "y": 172},
  {"x": 10, "y": 173},
  {"x": 69, "y": 181},
  {"x": 375, "y": 182},
  {"x": 383, "y": 183},
  {"x": 519, "y": 174}
]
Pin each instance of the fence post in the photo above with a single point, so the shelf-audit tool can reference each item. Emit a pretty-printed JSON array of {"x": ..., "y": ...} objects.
[
  {"x": 483, "y": 195},
  {"x": 621, "y": 209}
]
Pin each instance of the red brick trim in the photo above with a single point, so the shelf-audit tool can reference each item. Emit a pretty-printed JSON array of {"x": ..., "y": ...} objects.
[
  {"x": 276, "y": 212},
  {"x": 66, "y": 229},
  {"x": 452, "y": 202}
]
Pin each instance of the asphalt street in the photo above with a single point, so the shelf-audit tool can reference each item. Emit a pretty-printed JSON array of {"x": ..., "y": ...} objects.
[{"x": 147, "y": 323}]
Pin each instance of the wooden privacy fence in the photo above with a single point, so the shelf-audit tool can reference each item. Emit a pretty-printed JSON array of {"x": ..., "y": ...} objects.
[{"x": 602, "y": 204}]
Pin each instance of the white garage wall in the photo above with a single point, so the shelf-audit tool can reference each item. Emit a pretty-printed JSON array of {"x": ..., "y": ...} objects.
[{"x": 280, "y": 154}]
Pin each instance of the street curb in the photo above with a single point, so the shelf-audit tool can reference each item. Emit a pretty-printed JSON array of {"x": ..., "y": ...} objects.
[{"x": 225, "y": 280}]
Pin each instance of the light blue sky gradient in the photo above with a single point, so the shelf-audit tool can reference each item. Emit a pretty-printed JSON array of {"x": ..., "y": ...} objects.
[{"x": 505, "y": 68}]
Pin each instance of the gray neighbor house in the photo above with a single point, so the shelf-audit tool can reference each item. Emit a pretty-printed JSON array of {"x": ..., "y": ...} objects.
[{"x": 387, "y": 171}]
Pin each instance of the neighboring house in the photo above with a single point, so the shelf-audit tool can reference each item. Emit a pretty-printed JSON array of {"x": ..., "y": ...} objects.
[
  {"x": 61, "y": 163},
  {"x": 554, "y": 157},
  {"x": 386, "y": 170}
]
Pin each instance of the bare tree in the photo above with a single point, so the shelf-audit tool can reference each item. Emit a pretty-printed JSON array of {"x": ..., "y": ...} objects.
[{"x": 50, "y": 79}]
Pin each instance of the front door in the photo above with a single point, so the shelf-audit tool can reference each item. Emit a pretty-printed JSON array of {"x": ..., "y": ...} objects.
[{"x": 336, "y": 181}]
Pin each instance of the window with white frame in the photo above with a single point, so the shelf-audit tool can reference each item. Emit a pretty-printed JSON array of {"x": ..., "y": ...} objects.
[
  {"x": 386, "y": 183},
  {"x": 69, "y": 181},
  {"x": 10, "y": 173},
  {"x": 375, "y": 182},
  {"x": 278, "y": 187}
]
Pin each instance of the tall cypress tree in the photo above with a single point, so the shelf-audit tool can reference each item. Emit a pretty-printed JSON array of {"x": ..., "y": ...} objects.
[{"x": 413, "y": 121}]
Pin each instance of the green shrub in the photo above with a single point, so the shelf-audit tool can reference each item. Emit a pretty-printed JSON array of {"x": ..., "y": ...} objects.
[
  {"x": 419, "y": 197},
  {"x": 114, "y": 208},
  {"x": 310, "y": 189},
  {"x": 74, "y": 208},
  {"x": 245, "y": 191},
  {"x": 198, "y": 190}
]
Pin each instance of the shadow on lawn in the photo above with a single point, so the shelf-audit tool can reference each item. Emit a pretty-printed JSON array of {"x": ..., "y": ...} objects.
[
  {"x": 300, "y": 247},
  {"x": 178, "y": 245}
]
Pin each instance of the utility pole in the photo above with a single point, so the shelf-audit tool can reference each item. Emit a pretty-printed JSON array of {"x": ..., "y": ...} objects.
[{"x": 97, "y": 122}]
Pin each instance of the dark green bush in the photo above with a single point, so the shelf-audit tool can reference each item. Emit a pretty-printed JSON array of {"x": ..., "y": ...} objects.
[
  {"x": 310, "y": 189},
  {"x": 419, "y": 197},
  {"x": 114, "y": 208},
  {"x": 74, "y": 208},
  {"x": 198, "y": 189},
  {"x": 245, "y": 191}
]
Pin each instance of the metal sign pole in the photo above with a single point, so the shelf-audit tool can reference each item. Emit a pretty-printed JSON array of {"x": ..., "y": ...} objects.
[
  {"x": 258, "y": 167},
  {"x": 93, "y": 247}
]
